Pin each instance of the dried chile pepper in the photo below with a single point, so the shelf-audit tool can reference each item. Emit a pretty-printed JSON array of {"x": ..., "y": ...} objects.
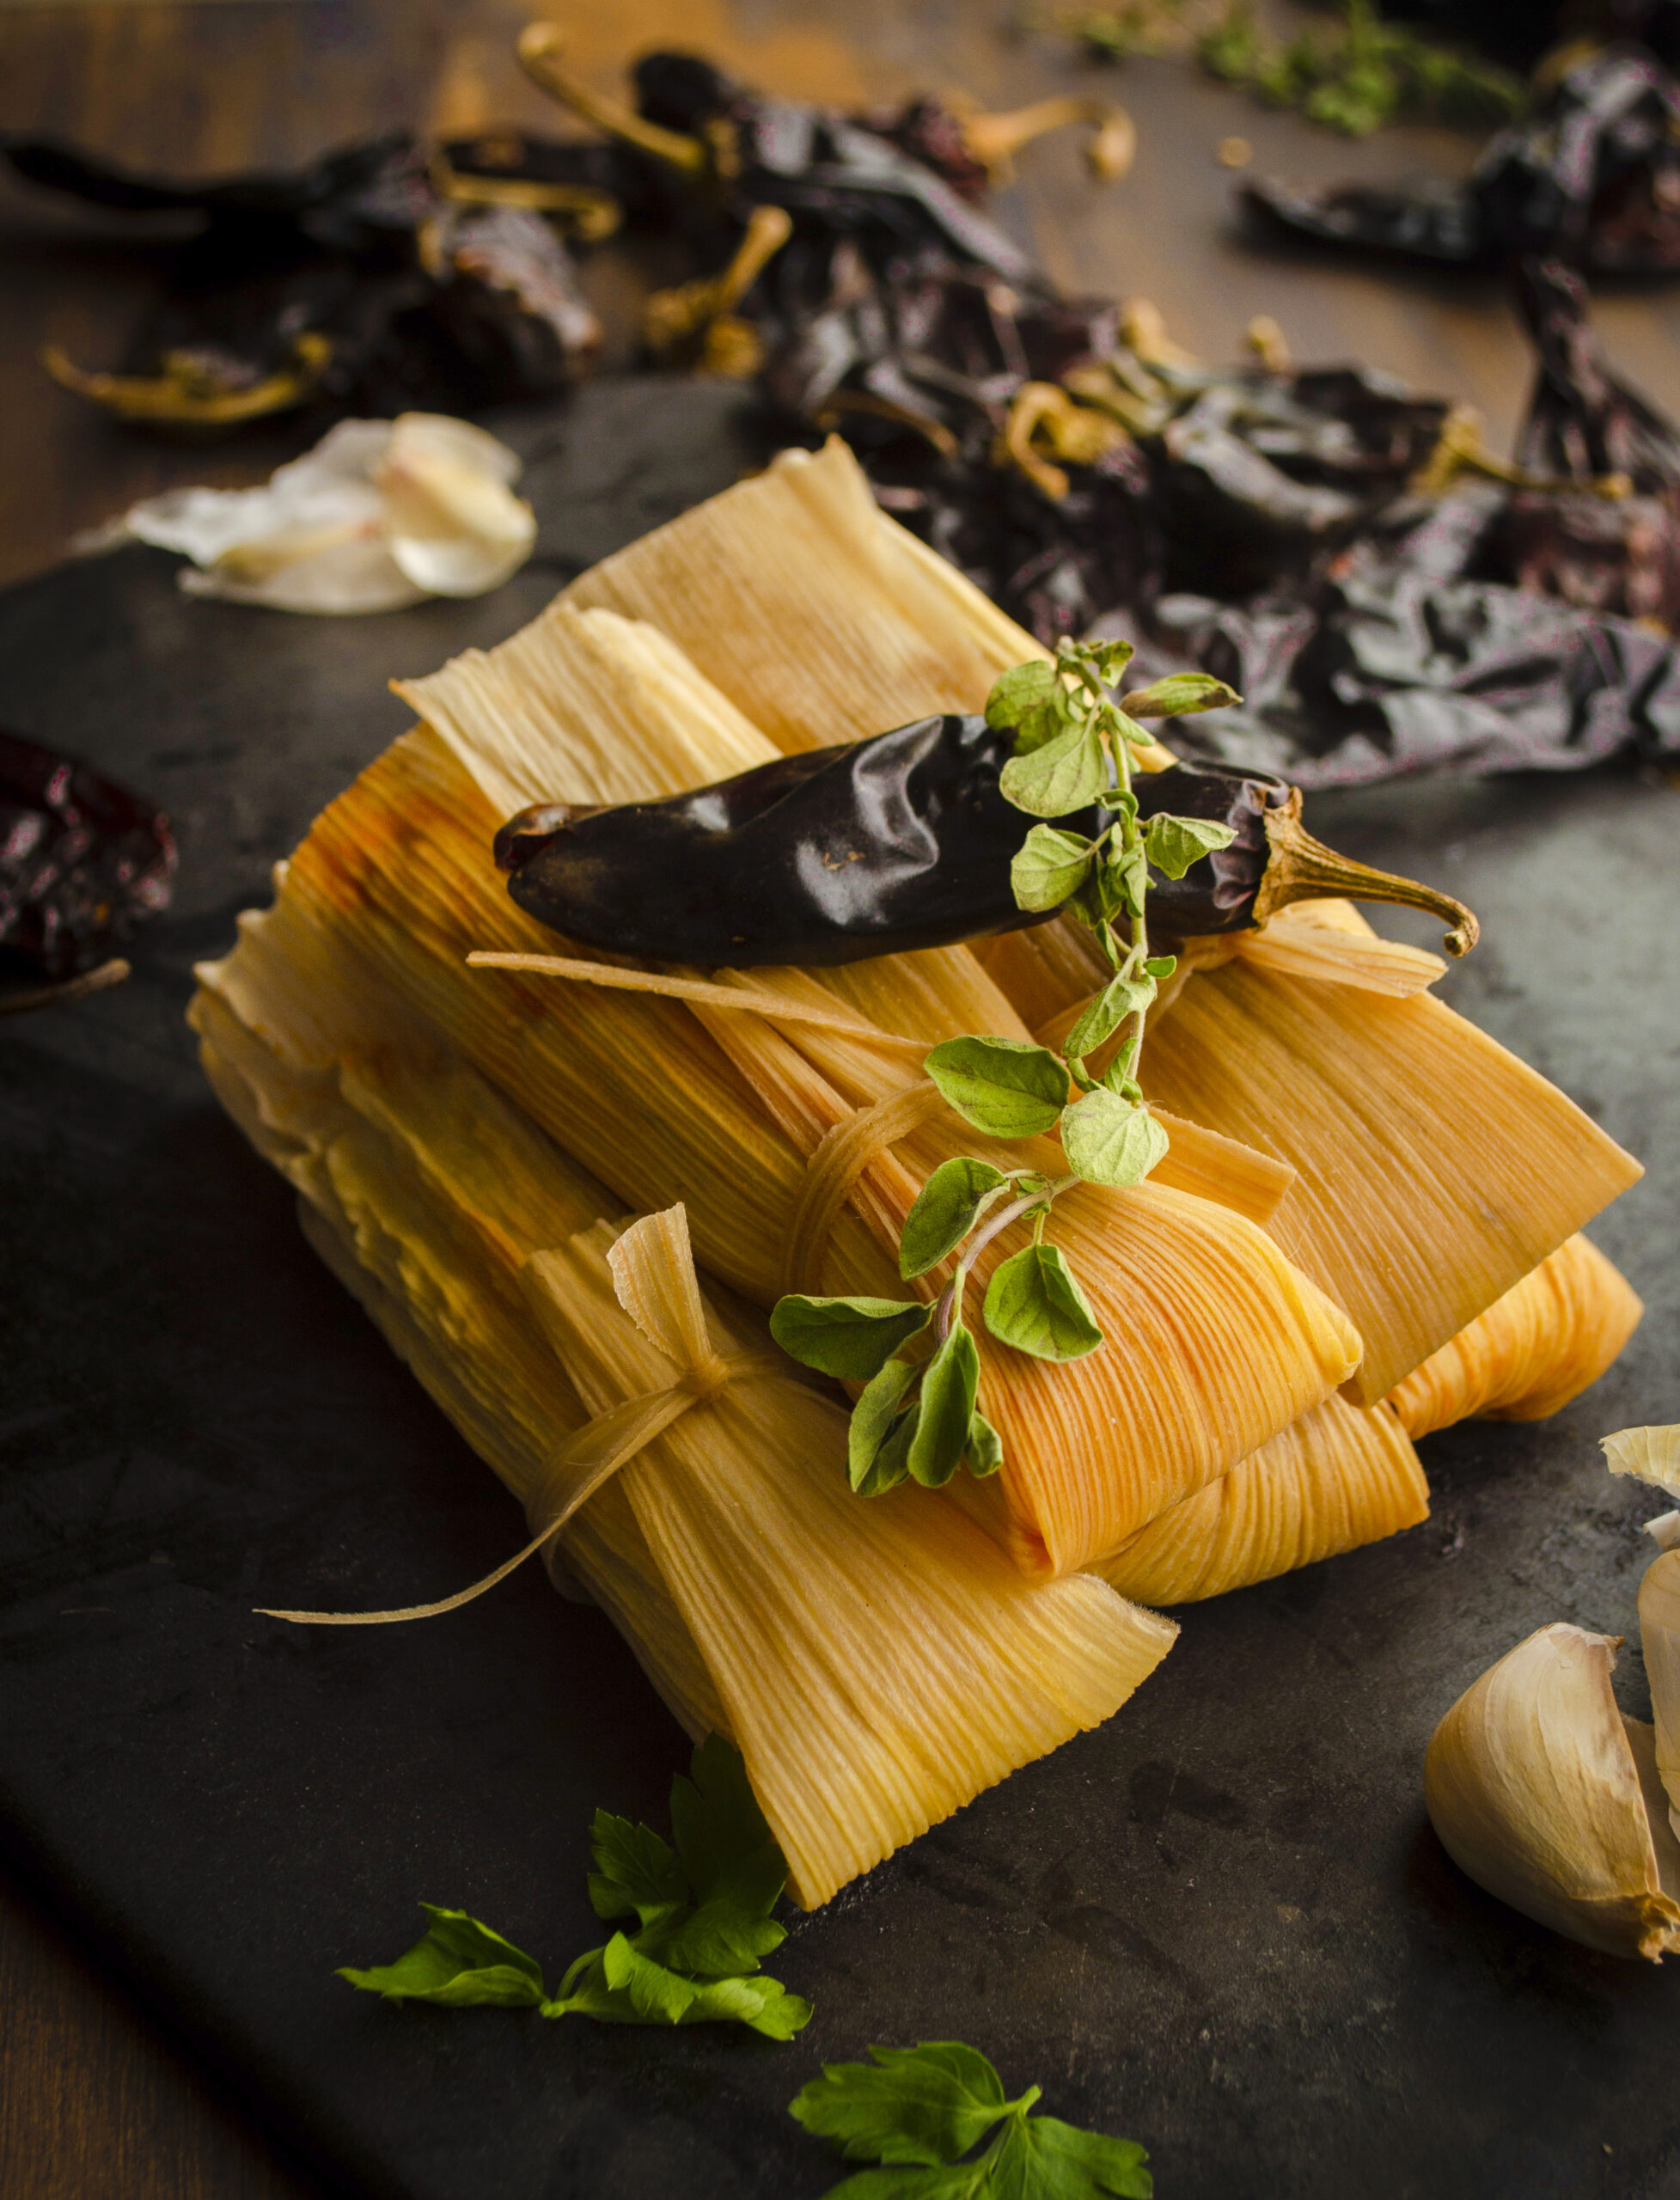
[
  {"x": 1591, "y": 176},
  {"x": 373, "y": 280},
  {"x": 884, "y": 845},
  {"x": 83, "y": 861}
]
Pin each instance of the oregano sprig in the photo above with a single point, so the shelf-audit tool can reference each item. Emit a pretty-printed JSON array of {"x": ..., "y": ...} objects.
[{"x": 919, "y": 1413}]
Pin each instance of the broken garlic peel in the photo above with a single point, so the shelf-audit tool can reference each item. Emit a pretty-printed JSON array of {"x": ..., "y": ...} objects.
[
  {"x": 1531, "y": 1783},
  {"x": 1650, "y": 1454},
  {"x": 1659, "y": 1632}
]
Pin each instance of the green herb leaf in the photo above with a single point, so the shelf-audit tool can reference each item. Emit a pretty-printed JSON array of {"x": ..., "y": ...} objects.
[
  {"x": 1180, "y": 694},
  {"x": 850, "y": 1338},
  {"x": 1019, "y": 690},
  {"x": 1109, "y": 1141},
  {"x": 634, "y": 1870},
  {"x": 617, "y": 1984},
  {"x": 947, "y": 1207},
  {"x": 1107, "y": 659},
  {"x": 1174, "y": 843},
  {"x": 924, "y": 2104},
  {"x": 983, "y": 1454},
  {"x": 1049, "y": 866},
  {"x": 1008, "y": 1087},
  {"x": 1161, "y": 966},
  {"x": 871, "y": 1423},
  {"x": 1034, "y": 1304},
  {"x": 1040, "y": 2157},
  {"x": 732, "y": 1863},
  {"x": 1066, "y": 774},
  {"x": 460, "y": 1964},
  {"x": 1119, "y": 998},
  {"x": 949, "y": 1387}
]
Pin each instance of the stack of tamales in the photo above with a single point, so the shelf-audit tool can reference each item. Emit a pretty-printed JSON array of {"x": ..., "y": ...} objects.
[{"x": 1362, "y": 1192}]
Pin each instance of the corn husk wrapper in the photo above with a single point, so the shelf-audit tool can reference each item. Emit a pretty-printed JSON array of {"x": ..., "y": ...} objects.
[
  {"x": 1653, "y": 1455},
  {"x": 1225, "y": 1343},
  {"x": 1532, "y": 1351},
  {"x": 379, "y": 514},
  {"x": 1660, "y": 1633},
  {"x": 763, "y": 1600},
  {"x": 1547, "y": 1797},
  {"x": 1340, "y": 1476}
]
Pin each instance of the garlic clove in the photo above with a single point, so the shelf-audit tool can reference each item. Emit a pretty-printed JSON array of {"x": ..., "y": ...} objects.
[
  {"x": 1651, "y": 1454},
  {"x": 453, "y": 524},
  {"x": 1659, "y": 1630},
  {"x": 1531, "y": 1782}
]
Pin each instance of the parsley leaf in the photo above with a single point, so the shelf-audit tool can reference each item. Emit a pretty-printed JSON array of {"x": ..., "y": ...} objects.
[
  {"x": 918, "y": 2110},
  {"x": 703, "y": 1915}
]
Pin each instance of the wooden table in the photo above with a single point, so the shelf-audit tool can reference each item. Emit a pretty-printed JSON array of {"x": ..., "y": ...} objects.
[{"x": 94, "y": 2100}]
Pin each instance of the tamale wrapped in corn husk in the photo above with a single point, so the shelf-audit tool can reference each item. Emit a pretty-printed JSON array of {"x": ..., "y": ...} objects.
[
  {"x": 1224, "y": 1342},
  {"x": 1532, "y": 1351},
  {"x": 878, "y": 1664}
]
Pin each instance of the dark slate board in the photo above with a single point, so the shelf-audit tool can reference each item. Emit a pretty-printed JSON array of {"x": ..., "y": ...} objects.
[{"x": 1220, "y": 1925}]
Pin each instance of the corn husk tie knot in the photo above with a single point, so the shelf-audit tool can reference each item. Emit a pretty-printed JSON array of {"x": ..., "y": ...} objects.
[{"x": 653, "y": 1275}]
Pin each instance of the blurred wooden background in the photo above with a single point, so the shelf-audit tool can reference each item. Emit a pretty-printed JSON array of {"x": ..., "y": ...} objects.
[{"x": 94, "y": 2103}]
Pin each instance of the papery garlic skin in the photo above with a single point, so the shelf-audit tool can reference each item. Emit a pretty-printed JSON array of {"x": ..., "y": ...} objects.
[
  {"x": 1530, "y": 1783},
  {"x": 1651, "y": 1454},
  {"x": 381, "y": 514},
  {"x": 1659, "y": 1631}
]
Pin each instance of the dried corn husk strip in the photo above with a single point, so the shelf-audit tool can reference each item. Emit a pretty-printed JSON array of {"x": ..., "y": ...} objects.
[
  {"x": 1339, "y": 1477},
  {"x": 640, "y": 1094},
  {"x": 1436, "y": 1170},
  {"x": 1533, "y": 1350},
  {"x": 814, "y": 1611},
  {"x": 1305, "y": 949},
  {"x": 1660, "y": 1633},
  {"x": 1534, "y": 1789}
]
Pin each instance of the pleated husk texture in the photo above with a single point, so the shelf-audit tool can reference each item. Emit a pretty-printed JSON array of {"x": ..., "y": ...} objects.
[
  {"x": 1340, "y": 1476},
  {"x": 1532, "y": 1351},
  {"x": 1434, "y": 1170},
  {"x": 1549, "y": 1797},
  {"x": 1659, "y": 1634},
  {"x": 1219, "y": 1342},
  {"x": 764, "y": 1602}
]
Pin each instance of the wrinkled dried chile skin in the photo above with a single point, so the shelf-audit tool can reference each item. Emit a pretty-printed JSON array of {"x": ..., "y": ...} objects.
[
  {"x": 875, "y": 847},
  {"x": 82, "y": 861},
  {"x": 334, "y": 249},
  {"x": 1593, "y": 176}
]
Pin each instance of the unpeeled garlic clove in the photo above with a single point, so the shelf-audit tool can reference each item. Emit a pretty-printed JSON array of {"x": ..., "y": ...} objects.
[
  {"x": 1532, "y": 1783},
  {"x": 453, "y": 524},
  {"x": 1659, "y": 1630}
]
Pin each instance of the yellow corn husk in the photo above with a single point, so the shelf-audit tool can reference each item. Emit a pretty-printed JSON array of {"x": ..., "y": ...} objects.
[
  {"x": 1224, "y": 1342},
  {"x": 764, "y": 1601},
  {"x": 1340, "y": 1476},
  {"x": 1435, "y": 1171},
  {"x": 1532, "y": 1351},
  {"x": 1547, "y": 1796}
]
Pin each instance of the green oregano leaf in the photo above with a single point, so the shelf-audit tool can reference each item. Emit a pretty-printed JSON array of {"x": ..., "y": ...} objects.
[
  {"x": 946, "y": 1209},
  {"x": 1161, "y": 966},
  {"x": 984, "y": 1453},
  {"x": 1049, "y": 866},
  {"x": 872, "y": 1421},
  {"x": 1128, "y": 869},
  {"x": 1180, "y": 694},
  {"x": 1020, "y": 690},
  {"x": 1008, "y": 1088},
  {"x": 949, "y": 1387},
  {"x": 1109, "y": 1141},
  {"x": 1173, "y": 844},
  {"x": 1119, "y": 998},
  {"x": 850, "y": 1338},
  {"x": 1033, "y": 1302},
  {"x": 1067, "y": 773}
]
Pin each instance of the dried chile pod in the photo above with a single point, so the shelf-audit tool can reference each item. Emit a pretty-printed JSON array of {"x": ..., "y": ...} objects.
[
  {"x": 83, "y": 860},
  {"x": 884, "y": 845}
]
